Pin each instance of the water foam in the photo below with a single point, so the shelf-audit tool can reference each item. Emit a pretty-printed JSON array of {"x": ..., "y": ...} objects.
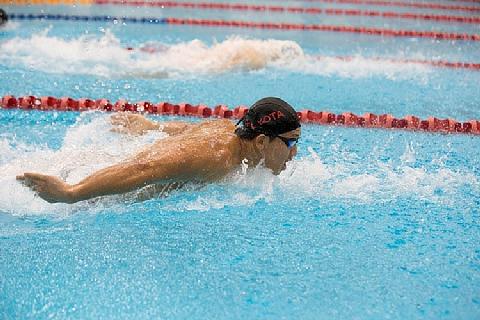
[
  {"x": 81, "y": 154},
  {"x": 343, "y": 182},
  {"x": 348, "y": 179},
  {"x": 106, "y": 56},
  {"x": 10, "y": 26}
]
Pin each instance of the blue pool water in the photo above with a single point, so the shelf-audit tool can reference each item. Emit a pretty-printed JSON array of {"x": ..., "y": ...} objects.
[{"x": 363, "y": 224}]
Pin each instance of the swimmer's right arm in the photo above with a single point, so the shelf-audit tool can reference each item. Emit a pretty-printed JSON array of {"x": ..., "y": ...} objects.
[
  {"x": 138, "y": 124},
  {"x": 119, "y": 178}
]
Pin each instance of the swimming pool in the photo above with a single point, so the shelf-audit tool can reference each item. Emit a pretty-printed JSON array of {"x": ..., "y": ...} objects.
[{"x": 365, "y": 223}]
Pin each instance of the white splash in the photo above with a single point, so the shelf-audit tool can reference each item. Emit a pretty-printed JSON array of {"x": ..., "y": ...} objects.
[
  {"x": 10, "y": 26},
  {"x": 387, "y": 181},
  {"x": 81, "y": 154},
  {"x": 106, "y": 56},
  {"x": 311, "y": 177}
]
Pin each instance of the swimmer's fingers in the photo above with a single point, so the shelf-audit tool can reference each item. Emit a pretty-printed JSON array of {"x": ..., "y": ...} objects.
[
  {"x": 121, "y": 123},
  {"x": 118, "y": 116},
  {"x": 35, "y": 176},
  {"x": 29, "y": 178},
  {"x": 122, "y": 130},
  {"x": 119, "y": 119},
  {"x": 128, "y": 125},
  {"x": 49, "y": 188},
  {"x": 34, "y": 181},
  {"x": 41, "y": 189},
  {"x": 24, "y": 180},
  {"x": 125, "y": 119}
]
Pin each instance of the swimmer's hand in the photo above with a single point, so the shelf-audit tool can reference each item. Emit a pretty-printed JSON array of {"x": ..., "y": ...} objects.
[
  {"x": 131, "y": 123},
  {"x": 49, "y": 188}
]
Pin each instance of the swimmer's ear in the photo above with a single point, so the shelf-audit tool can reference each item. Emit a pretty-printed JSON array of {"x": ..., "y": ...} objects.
[{"x": 260, "y": 142}]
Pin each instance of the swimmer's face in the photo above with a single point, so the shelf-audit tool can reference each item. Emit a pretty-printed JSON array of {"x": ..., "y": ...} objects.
[{"x": 277, "y": 153}]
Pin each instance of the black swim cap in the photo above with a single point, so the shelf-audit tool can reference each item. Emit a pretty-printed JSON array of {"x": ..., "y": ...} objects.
[
  {"x": 269, "y": 116},
  {"x": 3, "y": 17}
]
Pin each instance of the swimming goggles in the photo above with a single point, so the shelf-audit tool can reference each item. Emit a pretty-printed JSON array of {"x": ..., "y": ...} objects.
[{"x": 290, "y": 142}]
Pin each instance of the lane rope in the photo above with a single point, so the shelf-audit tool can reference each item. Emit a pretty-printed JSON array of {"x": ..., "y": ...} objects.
[
  {"x": 46, "y": 2},
  {"x": 386, "y": 3},
  {"x": 348, "y": 119},
  {"x": 422, "y": 5},
  {"x": 257, "y": 25},
  {"x": 295, "y": 10},
  {"x": 433, "y": 63},
  {"x": 471, "y": 1}
]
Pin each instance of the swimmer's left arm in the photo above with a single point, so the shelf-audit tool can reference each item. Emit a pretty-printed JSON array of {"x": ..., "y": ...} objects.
[{"x": 132, "y": 123}]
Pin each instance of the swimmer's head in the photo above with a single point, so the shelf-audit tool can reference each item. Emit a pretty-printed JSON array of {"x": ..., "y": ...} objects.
[
  {"x": 269, "y": 116},
  {"x": 274, "y": 128},
  {"x": 3, "y": 17}
]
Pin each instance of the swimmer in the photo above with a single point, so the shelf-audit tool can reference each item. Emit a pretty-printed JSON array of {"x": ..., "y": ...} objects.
[
  {"x": 199, "y": 153},
  {"x": 3, "y": 17}
]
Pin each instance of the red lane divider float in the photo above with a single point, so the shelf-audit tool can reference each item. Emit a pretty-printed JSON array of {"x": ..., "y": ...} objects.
[
  {"x": 300, "y": 10},
  {"x": 329, "y": 28},
  {"x": 471, "y": 1},
  {"x": 368, "y": 120},
  {"x": 433, "y": 63},
  {"x": 260, "y": 25},
  {"x": 386, "y": 3}
]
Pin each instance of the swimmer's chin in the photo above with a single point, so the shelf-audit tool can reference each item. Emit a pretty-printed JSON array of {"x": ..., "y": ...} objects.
[{"x": 278, "y": 171}]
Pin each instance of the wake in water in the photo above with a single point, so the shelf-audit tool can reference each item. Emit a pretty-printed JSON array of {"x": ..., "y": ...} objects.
[
  {"x": 106, "y": 56},
  {"x": 81, "y": 154},
  {"x": 309, "y": 177}
]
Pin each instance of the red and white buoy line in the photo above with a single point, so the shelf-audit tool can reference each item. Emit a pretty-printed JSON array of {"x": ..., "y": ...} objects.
[
  {"x": 371, "y": 31},
  {"x": 325, "y": 28},
  {"x": 294, "y": 10},
  {"x": 471, "y": 1},
  {"x": 402, "y": 4},
  {"x": 348, "y": 119},
  {"x": 433, "y": 63}
]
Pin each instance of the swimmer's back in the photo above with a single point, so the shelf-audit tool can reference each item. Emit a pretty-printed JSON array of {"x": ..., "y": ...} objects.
[
  {"x": 210, "y": 148},
  {"x": 214, "y": 132}
]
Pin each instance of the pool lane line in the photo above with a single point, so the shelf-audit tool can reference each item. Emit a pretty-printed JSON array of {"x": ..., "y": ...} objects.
[
  {"x": 386, "y": 3},
  {"x": 433, "y": 6},
  {"x": 470, "y": 1},
  {"x": 293, "y": 10},
  {"x": 433, "y": 63},
  {"x": 347, "y": 119},
  {"x": 106, "y": 18},
  {"x": 46, "y": 2},
  {"x": 257, "y": 25}
]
